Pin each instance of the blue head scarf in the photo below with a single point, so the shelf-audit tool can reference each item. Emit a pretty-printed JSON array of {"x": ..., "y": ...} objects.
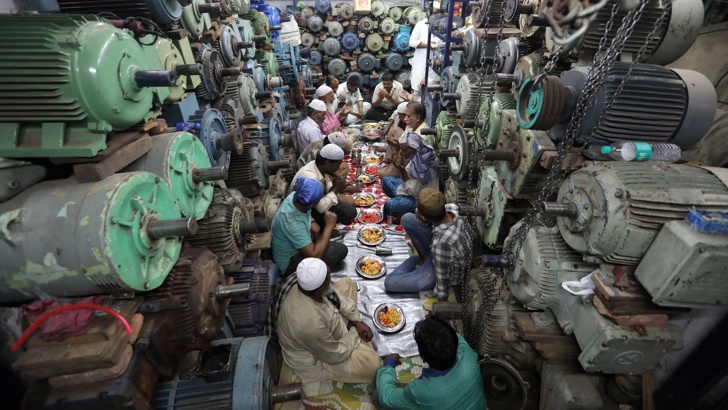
[
  {"x": 424, "y": 160},
  {"x": 307, "y": 191}
]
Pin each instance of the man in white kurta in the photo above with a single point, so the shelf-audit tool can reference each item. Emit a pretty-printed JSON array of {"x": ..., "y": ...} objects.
[
  {"x": 316, "y": 340},
  {"x": 418, "y": 41}
]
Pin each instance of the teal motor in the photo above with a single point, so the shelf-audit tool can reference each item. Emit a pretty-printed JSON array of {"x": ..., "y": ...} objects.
[
  {"x": 64, "y": 238},
  {"x": 66, "y": 81}
]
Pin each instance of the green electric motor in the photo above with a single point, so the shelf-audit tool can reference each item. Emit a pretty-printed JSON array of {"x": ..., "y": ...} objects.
[
  {"x": 181, "y": 160},
  {"x": 64, "y": 238},
  {"x": 68, "y": 80}
]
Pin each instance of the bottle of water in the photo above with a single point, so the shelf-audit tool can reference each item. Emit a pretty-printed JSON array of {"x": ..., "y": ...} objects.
[{"x": 642, "y": 151}]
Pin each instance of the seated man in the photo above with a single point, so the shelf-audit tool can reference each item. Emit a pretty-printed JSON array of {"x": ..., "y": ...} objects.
[
  {"x": 338, "y": 138},
  {"x": 452, "y": 380},
  {"x": 320, "y": 330},
  {"x": 393, "y": 132},
  {"x": 309, "y": 130},
  {"x": 291, "y": 230},
  {"x": 385, "y": 98},
  {"x": 324, "y": 170},
  {"x": 333, "y": 119},
  {"x": 444, "y": 250},
  {"x": 350, "y": 95}
]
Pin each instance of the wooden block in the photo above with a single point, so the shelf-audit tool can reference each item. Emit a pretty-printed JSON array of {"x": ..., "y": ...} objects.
[
  {"x": 261, "y": 242},
  {"x": 628, "y": 302},
  {"x": 647, "y": 320},
  {"x": 109, "y": 166},
  {"x": 96, "y": 375},
  {"x": 114, "y": 142},
  {"x": 532, "y": 333},
  {"x": 102, "y": 328},
  {"x": 42, "y": 363}
]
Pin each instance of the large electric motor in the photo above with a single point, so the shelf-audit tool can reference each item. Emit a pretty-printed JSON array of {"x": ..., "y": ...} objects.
[
  {"x": 249, "y": 313},
  {"x": 164, "y": 12},
  {"x": 63, "y": 89},
  {"x": 63, "y": 238},
  {"x": 657, "y": 104},
  {"x": 614, "y": 210}
]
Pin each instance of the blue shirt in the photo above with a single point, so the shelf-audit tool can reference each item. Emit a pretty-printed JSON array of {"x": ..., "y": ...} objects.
[{"x": 290, "y": 232}]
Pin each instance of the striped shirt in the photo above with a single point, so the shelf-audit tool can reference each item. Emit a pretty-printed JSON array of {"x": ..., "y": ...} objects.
[{"x": 452, "y": 245}]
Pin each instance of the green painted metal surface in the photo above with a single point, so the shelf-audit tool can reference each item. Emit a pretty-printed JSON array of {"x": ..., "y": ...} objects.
[
  {"x": 443, "y": 126},
  {"x": 63, "y": 238},
  {"x": 269, "y": 62},
  {"x": 65, "y": 82},
  {"x": 193, "y": 21},
  {"x": 183, "y": 46},
  {"x": 173, "y": 157},
  {"x": 169, "y": 57}
]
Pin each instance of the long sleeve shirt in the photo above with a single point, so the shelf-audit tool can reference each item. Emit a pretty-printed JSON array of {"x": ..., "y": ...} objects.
[
  {"x": 384, "y": 102},
  {"x": 331, "y": 123},
  {"x": 311, "y": 171},
  {"x": 314, "y": 337},
  {"x": 308, "y": 132},
  {"x": 451, "y": 253},
  {"x": 460, "y": 387}
]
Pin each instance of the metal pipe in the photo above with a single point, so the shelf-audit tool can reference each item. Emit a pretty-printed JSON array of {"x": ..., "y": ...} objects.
[
  {"x": 449, "y": 153},
  {"x": 188, "y": 69},
  {"x": 301, "y": 63},
  {"x": 244, "y": 44},
  {"x": 223, "y": 292},
  {"x": 447, "y": 311},
  {"x": 451, "y": 96},
  {"x": 317, "y": 75},
  {"x": 260, "y": 37},
  {"x": 209, "y": 174},
  {"x": 250, "y": 119},
  {"x": 214, "y": 9},
  {"x": 232, "y": 142},
  {"x": 469, "y": 123},
  {"x": 469, "y": 210},
  {"x": 501, "y": 78},
  {"x": 155, "y": 78},
  {"x": 305, "y": 52},
  {"x": 496, "y": 261},
  {"x": 263, "y": 95},
  {"x": 428, "y": 131},
  {"x": 184, "y": 3},
  {"x": 499, "y": 155},
  {"x": 172, "y": 227},
  {"x": 285, "y": 392},
  {"x": 537, "y": 21},
  {"x": 254, "y": 226},
  {"x": 434, "y": 87},
  {"x": 274, "y": 28},
  {"x": 565, "y": 209},
  {"x": 274, "y": 166},
  {"x": 275, "y": 82},
  {"x": 230, "y": 72}
]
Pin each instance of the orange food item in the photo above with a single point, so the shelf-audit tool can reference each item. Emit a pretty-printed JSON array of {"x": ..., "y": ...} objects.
[{"x": 390, "y": 318}]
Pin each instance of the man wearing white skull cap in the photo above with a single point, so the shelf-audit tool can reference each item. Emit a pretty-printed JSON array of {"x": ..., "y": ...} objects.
[
  {"x": 320, "y": 330},
  {"x": 309, "y": 130}
]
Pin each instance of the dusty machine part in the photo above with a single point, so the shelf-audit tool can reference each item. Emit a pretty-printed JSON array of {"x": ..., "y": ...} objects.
[
  {"x": 501, "y": 210},
  {"x": 489, "y": 137},
  {"x": 249, "y": 172},
  {"x": 472, "y": 91},
  {"x": 214, "y": 73},
  {"x": 214, "y": 134},
  {"x": 682, "y": 107},
  {"x": 231, "y": 109},
  {"x": 479, "y": 9},
  {"x": 504, "y": 387},
  {"x": 63, "y": 238},
  {"x": 622, "y": 206},
  {"x": 250, "y": 314},
  {"x": 181, "y": 160},
  {"x": 196, "y": 18},
  {"x": 18, "y": 176}
]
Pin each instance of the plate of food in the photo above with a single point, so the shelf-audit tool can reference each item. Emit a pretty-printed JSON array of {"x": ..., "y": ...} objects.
[
  {"x": 370, "y": 216},
  {"x": 371, "y": 126},
  {"x": 389, "y": 318},
  {"x": 372, "y": 160},
  {"x": 371, "y": 135},
  {"x": 365, "y": 179},
  {"x": 364, "y": 199},
  {"x": 371, "y": 235},
  {"x": 371, "y": 170},
  {"x": 371, "y": 267}
]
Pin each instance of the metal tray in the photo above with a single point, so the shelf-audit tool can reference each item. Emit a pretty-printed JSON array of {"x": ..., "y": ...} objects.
[
  {"x": 364, "y": 170},
  {"x": 379, "y": 214},
  {"x": 385, "y": 329},
  {"x": 381, "y": 273},
  {"x": 365, "y": 227},
  {"x": 362, "y": 195}
]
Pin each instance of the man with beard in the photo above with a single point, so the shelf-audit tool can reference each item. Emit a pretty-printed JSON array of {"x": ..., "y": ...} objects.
[
  {"x": 333, "y": 120},
  {"x": 385, "y": 99},
  {"x": 309, "y": 130}
]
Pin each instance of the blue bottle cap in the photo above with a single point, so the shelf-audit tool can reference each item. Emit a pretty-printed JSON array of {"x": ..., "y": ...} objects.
[{"x": 606, "y": 150}]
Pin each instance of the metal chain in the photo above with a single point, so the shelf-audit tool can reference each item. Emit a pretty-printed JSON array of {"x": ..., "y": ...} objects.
[{"x": 594, "y": 81}]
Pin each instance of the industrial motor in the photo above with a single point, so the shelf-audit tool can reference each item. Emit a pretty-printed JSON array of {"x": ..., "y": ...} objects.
[
  {"x": 63, "y": 238},
  {"x": 55, "y": 68},
  {"x": 616, "y": 209}
]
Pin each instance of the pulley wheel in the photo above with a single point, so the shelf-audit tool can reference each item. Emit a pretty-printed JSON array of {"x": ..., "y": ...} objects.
[
  {"x": 503, "y": 385},
  {"x": 539, "y": 106},
  {"x": 458, "y": 165}
]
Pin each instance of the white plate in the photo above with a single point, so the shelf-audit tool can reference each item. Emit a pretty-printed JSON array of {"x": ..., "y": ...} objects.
[
  {"x": 380, "y": 326},
  {"x": 365, "y": 195},
  {"x": 382, "y": 271}
]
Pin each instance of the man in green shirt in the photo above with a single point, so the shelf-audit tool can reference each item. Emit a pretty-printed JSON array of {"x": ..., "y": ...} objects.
[{"x": 452, "y": 380}]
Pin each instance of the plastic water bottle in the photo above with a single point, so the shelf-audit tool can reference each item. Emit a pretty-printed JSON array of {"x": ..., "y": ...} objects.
[{"x": 642, "y": 151}]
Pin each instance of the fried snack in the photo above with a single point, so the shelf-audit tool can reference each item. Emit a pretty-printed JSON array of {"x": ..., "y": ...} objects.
[
  {"x": 364, "y": 179},
  {"x": 370, "y": 267},
  {"x": 364, "y": 201},
  {"x": 372, "y": 160},
  {"x": 371, "y": 235},
  {"x": 390, "y": 318}
]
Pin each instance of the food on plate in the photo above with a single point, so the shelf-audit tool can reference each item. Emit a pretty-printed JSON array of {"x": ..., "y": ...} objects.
[
  {"x": 364, "y": 179},
  {"x": 372, "y": 133},
  {"x": 371, "y": 235},
  {"x": 371, "y": 170},
  {"x": 370, "y": 126},
  {"x": 370, "y": 217},
  {"x": 364, "y": 200},
  {"x": 389, "y": 317},
  {"x": 372, "y": 159},
  {"x": 371, "y": 267}
]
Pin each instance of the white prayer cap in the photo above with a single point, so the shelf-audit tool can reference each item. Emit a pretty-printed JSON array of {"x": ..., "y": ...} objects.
[
  {"x": 332, "y": 152},
  {"x": 317, "y": 105},
  {"x": 402, "y": 107},
  {"x": 323, "y": 90},
  {"x": 311, "y": 273},
  {"x": 339, "y": 139}
]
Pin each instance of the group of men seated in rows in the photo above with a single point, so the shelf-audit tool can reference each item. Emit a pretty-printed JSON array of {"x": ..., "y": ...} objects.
[{"x": 317, "y": 322}]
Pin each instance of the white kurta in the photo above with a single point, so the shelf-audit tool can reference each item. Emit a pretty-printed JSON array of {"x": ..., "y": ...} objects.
[{"x": 420, "y": 35}]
